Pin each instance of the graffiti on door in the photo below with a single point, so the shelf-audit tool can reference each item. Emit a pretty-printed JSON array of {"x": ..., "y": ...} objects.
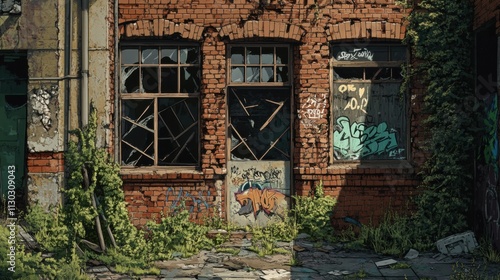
[
  {"x": 258, "y": 192},
  {"x": 254, "y": 198}
]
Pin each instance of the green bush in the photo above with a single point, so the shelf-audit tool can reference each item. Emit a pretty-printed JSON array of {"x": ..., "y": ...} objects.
[
  {"x": 312, "y": 213},
  {"x": 176, "y": 234}
]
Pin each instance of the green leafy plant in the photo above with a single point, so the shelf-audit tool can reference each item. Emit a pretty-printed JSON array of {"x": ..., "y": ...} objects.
[
  {"x": 94, "y": 190},
  {"x": 442, "y": 63},
  {"x": 63, "y": 264},
  {"x": 312, "y": 213},
  {"x": 487, "y": 252},
  {"x": 390, "y": 237},
  {"x": 400, "y": 265},
  {"x": 177, "y": 234}
]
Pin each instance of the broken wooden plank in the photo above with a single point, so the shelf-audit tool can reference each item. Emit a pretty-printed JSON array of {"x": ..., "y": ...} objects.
[{"x": 272, "y": 116}]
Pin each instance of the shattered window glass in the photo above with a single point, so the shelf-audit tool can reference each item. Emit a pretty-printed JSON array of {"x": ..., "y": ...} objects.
[
  {"x": 160, "y": 88},
  {"x": 178, "y": 131},
  {"x": 138, "y": 132},
  {"x": 259, "y": 123}
]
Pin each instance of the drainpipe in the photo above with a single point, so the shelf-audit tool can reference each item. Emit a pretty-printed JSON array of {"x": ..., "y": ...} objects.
[
  {"x": 116, "y": 114},
  {"x": 84, "y": 95},
  {"x": 68, "y": 28}
]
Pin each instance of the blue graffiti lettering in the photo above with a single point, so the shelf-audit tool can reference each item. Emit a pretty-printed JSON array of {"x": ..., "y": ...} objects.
[
  {"x": 357, "y": 141},
  {"x": 198, "y": 201}
]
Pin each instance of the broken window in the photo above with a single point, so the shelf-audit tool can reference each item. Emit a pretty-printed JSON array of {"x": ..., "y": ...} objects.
[
  {"x": 369, "y": 112},
  {"x": 160, "y": 105},
  {"x": 259, "y": 123},
  {"x": 259, "y": 64}
]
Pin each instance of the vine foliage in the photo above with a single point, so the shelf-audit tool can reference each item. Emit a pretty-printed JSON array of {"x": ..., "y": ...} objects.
[
  {"x": 93, "y": 175},
  {"x": 439, "y": 33}
]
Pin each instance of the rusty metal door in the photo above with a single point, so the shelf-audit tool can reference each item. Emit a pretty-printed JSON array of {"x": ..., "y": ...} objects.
[{"x": 259, "y": 165}]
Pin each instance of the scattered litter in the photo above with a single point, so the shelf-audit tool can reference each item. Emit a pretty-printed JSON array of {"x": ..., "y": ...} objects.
[
  {"x": 335, "y": 272},
  {"x": 323, "y": 250},
  {"x": 352, "y": 221},
  {"x": 457, "y": 244},
  {"x": 189, "y": 266},
  {"x": 298, "y": 248},
  {"x": 412, "y": 254},
  {"x": 274, "y": 274},
  {"x": 386, "y": 263}
]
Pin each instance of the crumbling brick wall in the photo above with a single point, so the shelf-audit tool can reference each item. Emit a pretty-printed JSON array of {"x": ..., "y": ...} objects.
[
  {"x": 486, "y": 11},
  {"x": 364, "y": 191}
]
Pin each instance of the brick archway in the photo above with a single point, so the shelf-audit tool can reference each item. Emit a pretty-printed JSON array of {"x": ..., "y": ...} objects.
[
  {"x": 262, "y": 29},
  {"x": 161, "y": 27},
  {"x": 366, "y": 30}
]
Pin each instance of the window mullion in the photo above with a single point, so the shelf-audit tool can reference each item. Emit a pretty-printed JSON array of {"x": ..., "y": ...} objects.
[{"x": 156, "y": 131}]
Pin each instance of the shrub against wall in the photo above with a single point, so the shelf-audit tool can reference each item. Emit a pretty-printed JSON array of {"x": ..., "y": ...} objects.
[{"x": 439, "y": 33}]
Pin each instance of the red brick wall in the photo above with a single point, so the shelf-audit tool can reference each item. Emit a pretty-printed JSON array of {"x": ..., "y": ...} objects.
[
  {"x": 149, "y": 200},
  {"x": 485, "y": 11},
  {"x": 46, "y": 162},
  {"x": 363, "y": 192}
]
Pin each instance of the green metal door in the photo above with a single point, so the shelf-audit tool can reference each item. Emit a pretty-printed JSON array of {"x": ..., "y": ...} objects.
[{"x": 13, "y": 99}]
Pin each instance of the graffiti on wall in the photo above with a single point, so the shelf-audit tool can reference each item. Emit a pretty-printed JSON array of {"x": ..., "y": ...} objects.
[
  {"x": 313, "y": 109},
  {"x": 370, "y": 121},
  {"x": 357, "y": 102},
  {"x": 258, "y": 193},
  {"x": 315, "y": 106},
  {"x": 194, "y": 203},
  {"x": 487, "y": 200},
  {"x": 355, "y": 54},
  {"x": 353, "y": 140}
]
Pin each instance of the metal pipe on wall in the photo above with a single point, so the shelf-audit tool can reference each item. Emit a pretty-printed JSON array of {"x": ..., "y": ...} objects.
[
  {"x": 84, "y": 94},
  {"x": 116, "y": 114},
  {"x": 68, "y": 28}
]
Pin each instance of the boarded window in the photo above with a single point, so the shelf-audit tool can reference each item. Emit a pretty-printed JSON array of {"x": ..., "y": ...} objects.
[
  {"x": 368, "y": 110},
  {"x": 160, "y": 105}
]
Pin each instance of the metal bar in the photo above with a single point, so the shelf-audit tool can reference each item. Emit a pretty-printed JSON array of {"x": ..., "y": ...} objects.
[{"x": 50, "y": 78}]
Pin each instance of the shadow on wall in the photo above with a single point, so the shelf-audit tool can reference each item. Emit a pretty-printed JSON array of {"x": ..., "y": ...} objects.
[
  {"x": 486, "y": 200},
  {"x": 370, "y": 129}
]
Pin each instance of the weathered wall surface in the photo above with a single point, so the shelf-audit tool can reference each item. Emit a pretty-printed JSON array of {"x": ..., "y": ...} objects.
[
  {"x": 40, "y": 29},
  {"x": 364, "y": 190},
  {"x": 36, "y": 30},
  {"x": 487, "y": 90}
]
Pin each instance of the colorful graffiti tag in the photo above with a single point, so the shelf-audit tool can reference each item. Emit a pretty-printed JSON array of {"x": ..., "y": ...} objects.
[
  {"x": 357, "y": 140},
  {"x": 487, "y": 202},
  {"x": 194, "y": 203},
  {"x": 259, "y": 189},
  {"x": 253, "y": 198}
]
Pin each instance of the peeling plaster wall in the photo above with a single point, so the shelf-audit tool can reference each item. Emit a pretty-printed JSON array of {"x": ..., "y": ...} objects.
[
  {"x": 38, "y": 30},
  {"x": 43, "y": 119},
  {"x": 99, "y": 63},
  {"x": 45, "y": 188}
]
